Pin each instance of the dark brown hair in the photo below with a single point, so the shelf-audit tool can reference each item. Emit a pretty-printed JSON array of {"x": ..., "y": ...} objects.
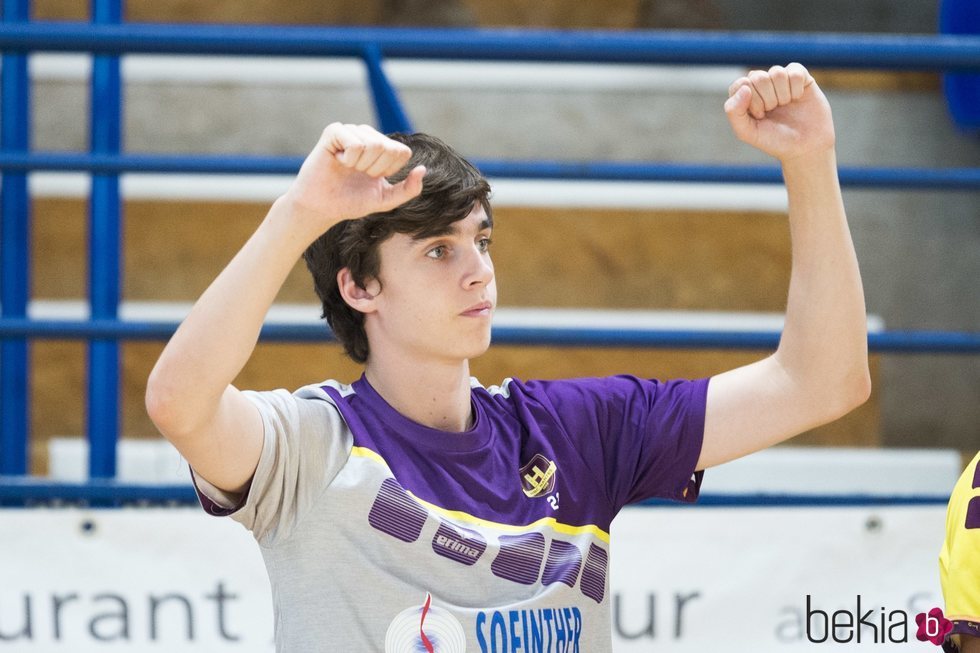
[{"x": 450, "y": 190}]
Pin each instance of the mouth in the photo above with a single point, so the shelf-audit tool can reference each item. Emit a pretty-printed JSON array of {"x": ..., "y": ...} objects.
[{"x": 482, "y": 309}]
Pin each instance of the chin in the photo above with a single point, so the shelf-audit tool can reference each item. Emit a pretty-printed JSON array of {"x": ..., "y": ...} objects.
[
  {"x": 479, "y": 352},
  {"x": 476, "y": 349}
]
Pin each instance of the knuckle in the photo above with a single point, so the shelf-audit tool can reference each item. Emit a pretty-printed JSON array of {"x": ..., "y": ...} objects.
[
  {"x": 778, "y": 71},
  {"x": 737, "y": 84},
  {"x": 797, "y": 71}
]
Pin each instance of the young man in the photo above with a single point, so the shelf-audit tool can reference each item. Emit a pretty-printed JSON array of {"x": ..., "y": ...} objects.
[{"x": 415, "y": 509}]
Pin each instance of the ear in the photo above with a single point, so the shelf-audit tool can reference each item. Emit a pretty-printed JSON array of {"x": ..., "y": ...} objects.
[{"x": 360, "y": 299}]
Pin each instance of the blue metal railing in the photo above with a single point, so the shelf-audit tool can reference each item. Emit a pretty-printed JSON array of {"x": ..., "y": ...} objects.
[
  {"x": 28, "y": 491},
  {"x": 14, "y": 251},
  {"x": 907, "y": 52},
  {"x": 107, "y": 37},
  {"x": 904, "y": 178},
  {"x": 893, "y": 342},
  {"x": 105, "y": 252}
]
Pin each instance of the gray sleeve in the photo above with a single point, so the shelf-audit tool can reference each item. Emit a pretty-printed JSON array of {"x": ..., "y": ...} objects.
[{"x": 306, "y": 442}]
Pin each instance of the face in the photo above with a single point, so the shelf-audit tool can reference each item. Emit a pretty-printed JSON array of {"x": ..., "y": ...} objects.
[{"x": 437, "y": 294}]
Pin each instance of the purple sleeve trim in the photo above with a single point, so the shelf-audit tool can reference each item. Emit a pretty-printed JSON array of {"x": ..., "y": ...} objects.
[
  {"x": 966, "y": 627},
  {"x": 211, "y": 506},
  {"x": 691, "y": 493}
]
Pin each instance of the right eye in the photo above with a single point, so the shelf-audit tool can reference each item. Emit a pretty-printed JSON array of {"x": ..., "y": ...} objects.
[{"x": 437, "y": 252}]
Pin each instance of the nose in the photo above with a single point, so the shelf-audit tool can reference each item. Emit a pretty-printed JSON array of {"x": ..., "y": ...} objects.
[{"x": 479, "y": 268}]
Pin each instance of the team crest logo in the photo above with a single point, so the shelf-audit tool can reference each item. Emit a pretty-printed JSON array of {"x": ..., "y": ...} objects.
[
  {"x": 538, "y": 476},
  {"x": 426, "y": 628}
]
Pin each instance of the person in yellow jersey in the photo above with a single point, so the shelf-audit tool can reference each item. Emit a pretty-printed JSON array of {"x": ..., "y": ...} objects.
[{"x": 959, "y": 562}]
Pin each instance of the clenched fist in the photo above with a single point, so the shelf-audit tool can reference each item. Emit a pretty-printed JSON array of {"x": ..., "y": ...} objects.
[
  {"x": 781, "y": 111},
  {"x": 344, "y": 176}
]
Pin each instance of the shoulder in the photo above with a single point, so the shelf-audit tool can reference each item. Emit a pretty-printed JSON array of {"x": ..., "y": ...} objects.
[
  {"x": 511, "y": 386},
  {"x": 312, "y": 401},
  {"x": 968, "y": 484},
  {"x": 514, "y": 391},
  {"x": 595, "y": 388},
  {"x": 966, "y": 495}
]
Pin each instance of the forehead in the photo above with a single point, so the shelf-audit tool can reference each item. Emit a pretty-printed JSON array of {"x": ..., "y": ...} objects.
[{"x": 476, "y": 221}]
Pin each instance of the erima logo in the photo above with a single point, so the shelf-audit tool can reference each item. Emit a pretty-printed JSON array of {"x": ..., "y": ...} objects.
[
  {"x": 538, "y": 476},
  {"x": 457, "y": 546}
]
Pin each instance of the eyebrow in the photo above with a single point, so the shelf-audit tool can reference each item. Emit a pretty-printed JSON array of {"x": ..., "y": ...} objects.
[{"x": 452, "y": 228}]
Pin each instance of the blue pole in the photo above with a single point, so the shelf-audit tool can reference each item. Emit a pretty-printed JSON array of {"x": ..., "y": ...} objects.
[
  {"x": 890, "y": 342},
  {"x": 104, "y": 255},
  {"x": 15, "y": 246},
  {"x": 387, "y": 106},
  {"x": 903, "y": 179},
  {"x": 863, "y": 51}
]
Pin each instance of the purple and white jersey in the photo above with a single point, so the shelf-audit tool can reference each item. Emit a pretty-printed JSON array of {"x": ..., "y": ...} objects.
[{"x": 381, "y": 534}]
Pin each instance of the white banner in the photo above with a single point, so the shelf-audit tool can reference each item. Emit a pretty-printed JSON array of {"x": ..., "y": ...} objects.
[
  {"x": 130, "y": 580},
  {"x": 735, "y": 579}
]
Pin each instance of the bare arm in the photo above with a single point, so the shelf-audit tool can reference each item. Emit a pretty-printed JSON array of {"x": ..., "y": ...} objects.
[
  {"x": 190, "y": 396},
  {"x": 819, "y": 372}
]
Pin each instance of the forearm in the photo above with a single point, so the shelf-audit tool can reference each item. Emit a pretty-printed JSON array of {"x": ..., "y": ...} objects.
[
  {"x": 969, "y": 644},
  {"x": 824, "y": 343},
  {"x": 215, "y": 341}
]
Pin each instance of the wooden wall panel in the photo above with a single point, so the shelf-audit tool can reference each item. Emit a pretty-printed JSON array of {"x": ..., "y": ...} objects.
[
  {"x": 642, "y": 259},
  {"x": 363, "y": 12},
  {"x": 58, "y": 381},
  {"x": 544, "y": 257}
]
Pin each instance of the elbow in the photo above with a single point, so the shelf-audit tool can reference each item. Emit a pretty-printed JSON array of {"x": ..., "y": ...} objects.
[
  {"x": 158, "y": 402},
  {"x": 829, "y": 392},
  {"x": 853, "y": 391},
  {"x": 863, "y": 390},
  {"x": 162, "y": 405},
  {"x": 833, "y": 395}
]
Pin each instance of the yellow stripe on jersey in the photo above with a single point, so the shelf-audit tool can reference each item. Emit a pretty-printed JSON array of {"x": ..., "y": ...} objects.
[
  {"x": 362, "y": 452},
  {"x": 566, "y": 529},
  {"x": 959, "y": 560}
]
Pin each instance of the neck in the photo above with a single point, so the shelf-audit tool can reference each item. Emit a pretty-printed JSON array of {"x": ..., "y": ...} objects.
[{"x": 441, "y": 402}]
